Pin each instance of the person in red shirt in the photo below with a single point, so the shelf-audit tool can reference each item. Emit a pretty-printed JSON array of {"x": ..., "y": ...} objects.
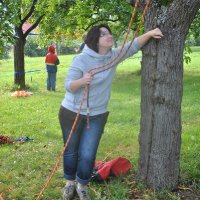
[{"x": 51, "y": 61}]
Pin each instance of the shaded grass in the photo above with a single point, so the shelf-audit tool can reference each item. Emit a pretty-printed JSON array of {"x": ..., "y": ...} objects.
[{"x": 24, "y": 168}]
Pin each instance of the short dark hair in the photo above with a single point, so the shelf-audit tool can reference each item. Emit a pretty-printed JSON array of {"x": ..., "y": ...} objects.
[{"x": 92, "y": 37}]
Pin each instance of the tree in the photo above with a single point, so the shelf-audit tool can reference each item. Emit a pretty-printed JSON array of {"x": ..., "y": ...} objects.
[
  {"x": 20, "y": 40},
  {"x": 162, "y": 90}
]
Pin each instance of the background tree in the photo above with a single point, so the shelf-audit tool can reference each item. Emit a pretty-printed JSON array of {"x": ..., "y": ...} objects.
[
  {"x": 25, "y": 10},
  {"x": 7, "y": 19},
  {"x": 195, "y": 28},
  {"x": 72, "y": 21},
  {"x": 194, "y": 33}
]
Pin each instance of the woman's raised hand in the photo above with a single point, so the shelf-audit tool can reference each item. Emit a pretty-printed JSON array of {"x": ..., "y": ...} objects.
[{"x": 156, "y": 33}]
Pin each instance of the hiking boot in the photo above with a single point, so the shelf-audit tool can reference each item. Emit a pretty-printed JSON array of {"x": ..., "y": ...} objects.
[
  {"x": 69, "y": 190},
  {"x": 83, "y": 193}
]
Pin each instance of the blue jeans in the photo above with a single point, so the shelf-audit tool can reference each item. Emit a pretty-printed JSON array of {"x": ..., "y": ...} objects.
[
  {"x": 51, "y": 81},
  {"x": 79, "y": 156}
]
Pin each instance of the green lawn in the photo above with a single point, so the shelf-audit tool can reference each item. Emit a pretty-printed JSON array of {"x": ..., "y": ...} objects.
[{"x": 24, "y": 168}]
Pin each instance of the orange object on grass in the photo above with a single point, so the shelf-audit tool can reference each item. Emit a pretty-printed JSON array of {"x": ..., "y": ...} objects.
[{"x": 21, "y": 93}]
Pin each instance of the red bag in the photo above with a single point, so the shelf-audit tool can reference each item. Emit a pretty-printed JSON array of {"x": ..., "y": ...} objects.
[{"x": 116, "y": 167}]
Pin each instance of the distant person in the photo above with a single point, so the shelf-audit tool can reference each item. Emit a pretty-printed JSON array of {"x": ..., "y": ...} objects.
[
  {"x": 51, "y": 61},
  {"x": 78, "y": 50}
]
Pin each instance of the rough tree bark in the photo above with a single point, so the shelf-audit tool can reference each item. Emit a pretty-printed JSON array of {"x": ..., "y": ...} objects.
[
  {"x": 161, "y": 95},
  {"x": 20, "y": 41}
]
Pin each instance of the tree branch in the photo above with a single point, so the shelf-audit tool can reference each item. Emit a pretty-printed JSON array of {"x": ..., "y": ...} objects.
[
  {"x": 33, "y": 26},
  {"x": 30, "y": 12}
]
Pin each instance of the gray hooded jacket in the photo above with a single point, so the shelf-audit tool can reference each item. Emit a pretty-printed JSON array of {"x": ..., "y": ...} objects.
[{"x": 100, "y": 87}]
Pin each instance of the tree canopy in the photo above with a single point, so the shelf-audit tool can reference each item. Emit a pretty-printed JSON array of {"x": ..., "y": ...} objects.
[
  {"x": 71, "y": 21},
  {"x": 64, "y": 17}
]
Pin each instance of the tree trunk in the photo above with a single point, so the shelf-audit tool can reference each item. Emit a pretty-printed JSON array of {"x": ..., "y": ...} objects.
[
  {"x": 161, "y": 96},
  {"x": 19, "y": 78}
]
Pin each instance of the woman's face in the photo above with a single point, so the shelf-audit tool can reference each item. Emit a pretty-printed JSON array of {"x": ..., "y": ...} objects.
[{"x": 105, "y": 39}]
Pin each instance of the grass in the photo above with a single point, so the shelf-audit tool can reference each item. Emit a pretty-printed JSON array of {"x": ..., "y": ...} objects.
[{"x": 24, "y": 168}]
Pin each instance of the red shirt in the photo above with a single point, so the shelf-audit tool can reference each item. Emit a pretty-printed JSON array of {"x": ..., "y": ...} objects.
[{"x": 51, "y": 58}]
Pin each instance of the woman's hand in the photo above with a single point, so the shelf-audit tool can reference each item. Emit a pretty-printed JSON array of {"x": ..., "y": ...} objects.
[
  {"x": 156, "y": 33},
  {"x": 87, "y": 78},
  {"x": 77, "y": 84}
]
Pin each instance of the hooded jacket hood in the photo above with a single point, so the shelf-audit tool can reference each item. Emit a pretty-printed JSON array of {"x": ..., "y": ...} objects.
[{"x": 51, "y": 49}]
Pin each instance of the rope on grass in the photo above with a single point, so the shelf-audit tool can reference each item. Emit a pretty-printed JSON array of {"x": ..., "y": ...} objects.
[
  {"x": 86, "y": 89},
  {"x": 30, "y": 71}
]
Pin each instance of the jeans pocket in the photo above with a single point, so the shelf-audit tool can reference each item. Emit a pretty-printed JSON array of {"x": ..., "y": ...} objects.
[{"x": 67, "y": 117}]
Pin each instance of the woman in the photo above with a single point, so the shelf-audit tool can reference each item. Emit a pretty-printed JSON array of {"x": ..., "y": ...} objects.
[{"x": 79, "y": 156}]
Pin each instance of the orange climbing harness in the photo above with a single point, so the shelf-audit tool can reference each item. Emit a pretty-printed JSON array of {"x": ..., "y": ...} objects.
[{"x": 95, "y": 71}]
